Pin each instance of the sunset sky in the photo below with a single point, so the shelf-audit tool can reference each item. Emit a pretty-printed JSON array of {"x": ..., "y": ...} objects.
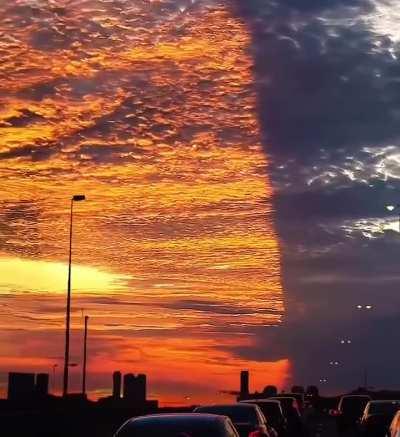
[{"x": 236, "y": 158}]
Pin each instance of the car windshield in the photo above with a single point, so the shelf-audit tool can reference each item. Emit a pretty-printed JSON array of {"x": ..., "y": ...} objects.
[
  {"x": 353, "y": 404},
  {"x": 239, "y": 414},
  {"x": 387, "y": 408},
  {"x": 288, "y": 406},
  {"x": 270, "y": 410},
  {"x": 178, "y": 429},
  {"x": 286, "y": 402}
]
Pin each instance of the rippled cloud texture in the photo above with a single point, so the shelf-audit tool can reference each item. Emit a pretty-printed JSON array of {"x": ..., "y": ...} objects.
[{"x": 149, "y": 109}]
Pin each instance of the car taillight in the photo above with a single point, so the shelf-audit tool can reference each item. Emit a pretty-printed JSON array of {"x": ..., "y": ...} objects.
[
  {"x": 335, "y": 413},
  {"x": 256, "y": 434}
]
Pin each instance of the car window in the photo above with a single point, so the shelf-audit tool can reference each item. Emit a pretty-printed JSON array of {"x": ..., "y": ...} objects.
[
  {"x": 387, "y": 408},
  {"x": 353, "y": 404},
  {"x": 270, "y": 409},
  {"x": 237, "y": 415}
]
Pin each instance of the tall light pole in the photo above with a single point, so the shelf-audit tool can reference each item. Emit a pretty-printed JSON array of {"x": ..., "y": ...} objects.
[
  {"x": 361, "y": 308},
  {"x": 84, "y": 357},
  {"x": 76, "y": 198}
]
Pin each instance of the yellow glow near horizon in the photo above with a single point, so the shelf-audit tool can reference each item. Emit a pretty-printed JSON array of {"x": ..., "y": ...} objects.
[{"x": 24, "y": 276}]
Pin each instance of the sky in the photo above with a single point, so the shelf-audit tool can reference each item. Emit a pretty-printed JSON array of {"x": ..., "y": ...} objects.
[{"x": 236, "y": 158}]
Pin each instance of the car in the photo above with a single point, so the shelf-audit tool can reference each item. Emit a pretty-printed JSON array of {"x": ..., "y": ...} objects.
[
  {"x": 349, "y": 411},
  {"x": 394, "y": 429},
  {"x": 178, "y": 425},
  {"x": 273, "y": 412},
  {"x": 247, "y": 419},
  {"x": 291, "y": 411},
  {"x": 377, "y": 417}
]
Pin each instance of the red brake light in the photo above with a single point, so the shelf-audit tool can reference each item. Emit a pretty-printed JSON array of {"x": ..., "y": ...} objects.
[
  {"x": 255, "y": 434},
  {"x": 335, "y": 413}
]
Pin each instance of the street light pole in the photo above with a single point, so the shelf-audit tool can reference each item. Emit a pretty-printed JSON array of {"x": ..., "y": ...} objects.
[
  {"x": 54, "y": 378},
  {"x": 84, "y": 357},
  {"x": 361, "y": 309},
  {"x": 76, "y": 198}
]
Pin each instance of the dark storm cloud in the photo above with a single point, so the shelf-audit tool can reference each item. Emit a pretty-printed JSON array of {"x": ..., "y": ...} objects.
[
  {"x": 329, "y": 99},
  {"x": 322, "y": 80}
]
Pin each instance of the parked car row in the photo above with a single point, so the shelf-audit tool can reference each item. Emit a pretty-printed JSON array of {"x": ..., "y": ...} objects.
[
  {"x": 279, "y": 416},
  {"x": 367, "y": 417}
]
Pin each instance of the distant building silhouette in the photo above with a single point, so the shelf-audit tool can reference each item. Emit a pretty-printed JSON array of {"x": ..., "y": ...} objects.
[
  {"x": 244, "y": 383},
  {"x": 42, "y": 384},
  {"x": 21, "y": 386},
  {"x": 135, "y": 389},
  {"x": 117, "y": 380},
  {"x": 134, "y": 394}
]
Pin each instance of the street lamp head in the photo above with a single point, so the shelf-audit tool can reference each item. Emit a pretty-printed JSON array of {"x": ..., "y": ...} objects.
[
  {"x": 390, "y": 207},
  {"x": 78, "y": 197}
]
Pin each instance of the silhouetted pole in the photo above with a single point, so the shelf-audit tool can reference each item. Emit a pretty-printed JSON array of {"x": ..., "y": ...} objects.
[
  {"x": 84, "y": 356},
  {"x": 54, "y": 378},
  {"x": 76, "y": 198}
]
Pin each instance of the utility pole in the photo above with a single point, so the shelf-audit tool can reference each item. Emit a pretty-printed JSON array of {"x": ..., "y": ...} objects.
[
  {"x": 76, "y": 198},
  {"x": 84, "y": 357}
]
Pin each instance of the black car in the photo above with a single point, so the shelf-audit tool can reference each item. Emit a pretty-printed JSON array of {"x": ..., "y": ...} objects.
[
  {"x": 291, "y": 411},
  {"x": 349, "y": 411},
  {"x": 178, "y": 425},
  {"x": 247, "y": 419},
  {"x": 377, "y": 417},
  {"x": 272, "y": 410}
]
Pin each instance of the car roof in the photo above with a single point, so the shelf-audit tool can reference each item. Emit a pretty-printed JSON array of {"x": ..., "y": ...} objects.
[
  {"x": 283, "y": 397},
  {"x": 238, "y": 405},
  {"x": 178, "y": 417},
  {"x": 270, "y": 401},
  {"x": 356, "y": 396},
  {"x": 385, "y": 401}
]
